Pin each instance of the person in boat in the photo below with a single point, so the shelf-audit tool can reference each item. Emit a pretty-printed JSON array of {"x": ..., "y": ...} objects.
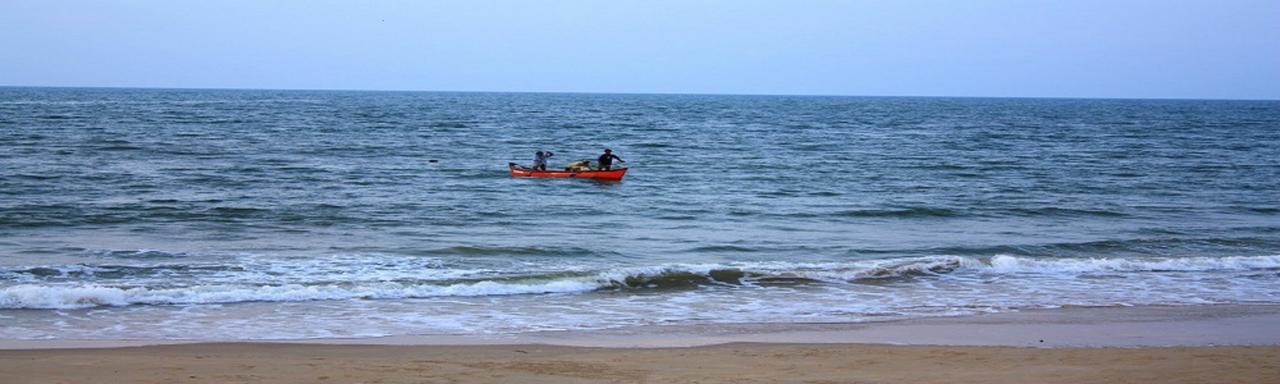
[
  {"x": 580, "y": 165},
  {"x": 606, "y": 160},
  {"x": 540, "y": 160}
]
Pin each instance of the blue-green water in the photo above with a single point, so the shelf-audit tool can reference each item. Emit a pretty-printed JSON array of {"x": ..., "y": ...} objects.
[{"x": 293, "y": 214}]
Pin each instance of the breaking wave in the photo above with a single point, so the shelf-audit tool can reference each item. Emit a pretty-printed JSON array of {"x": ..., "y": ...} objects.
[{"x": 42, "y": 288}]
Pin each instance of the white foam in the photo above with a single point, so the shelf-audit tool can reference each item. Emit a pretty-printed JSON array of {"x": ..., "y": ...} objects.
[
  {"x": 348, "y": 278},
  {"x": 43, "y": 297},
  {"x": 1014, "y": 264},
  {"x": 69, "y": 297}
]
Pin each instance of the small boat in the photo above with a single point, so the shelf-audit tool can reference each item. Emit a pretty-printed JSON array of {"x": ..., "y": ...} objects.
[{"x": 609, "y": 175}]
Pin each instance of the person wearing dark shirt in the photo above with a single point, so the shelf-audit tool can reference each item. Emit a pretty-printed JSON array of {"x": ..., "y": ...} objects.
[{"x": 606, "y": 160}]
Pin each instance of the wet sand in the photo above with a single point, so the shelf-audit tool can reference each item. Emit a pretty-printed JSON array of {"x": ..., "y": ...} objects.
[
  {"x": 1208, "y": 344},
  {"x": 727, "y": 363}
]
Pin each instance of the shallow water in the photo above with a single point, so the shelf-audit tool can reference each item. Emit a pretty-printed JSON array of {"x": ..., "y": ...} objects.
[{"x": 295, "y": 214}]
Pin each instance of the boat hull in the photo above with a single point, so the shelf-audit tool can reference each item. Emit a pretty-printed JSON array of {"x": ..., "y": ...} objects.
[{"x": 610, "y": 175}]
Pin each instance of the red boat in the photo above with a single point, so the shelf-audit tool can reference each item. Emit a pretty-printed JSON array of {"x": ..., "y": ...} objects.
[{"x": 609, "y": 175}]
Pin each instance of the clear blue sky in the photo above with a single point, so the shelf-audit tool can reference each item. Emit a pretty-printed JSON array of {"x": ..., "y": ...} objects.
[{"x": 1067, "y": 48}]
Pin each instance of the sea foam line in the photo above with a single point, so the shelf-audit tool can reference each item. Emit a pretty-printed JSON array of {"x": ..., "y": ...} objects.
[{"x": 63, "y": 295}]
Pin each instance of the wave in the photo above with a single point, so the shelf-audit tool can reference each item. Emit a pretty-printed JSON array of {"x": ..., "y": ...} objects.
[
  {"x": 507, "y": 251},
  {"x": 934, "y": 212},
  {"x": 139, "y": 254},
  {"x": 448, "y": 124},
  {"x": 161, "y": 211},
  {"x": 119, "y": 271},
  {"x": 1013, "y": 264},
  {"x": 912, "y": 212},
  {"x": 721, "y": 248},
  {"x": 1065, "y": 212},
  {"x": 908, "y": 212},
  {"x": 35, "y": 294},
  {"x": 47, "y": 297},
  {"x": 1138, "y": 246}
]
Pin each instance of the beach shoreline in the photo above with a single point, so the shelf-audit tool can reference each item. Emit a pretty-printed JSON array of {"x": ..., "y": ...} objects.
[
  {"x": 1196, "y": 344},
  {"x": 1170, "y": 344},
  {"x": 1078, "y": 327}
]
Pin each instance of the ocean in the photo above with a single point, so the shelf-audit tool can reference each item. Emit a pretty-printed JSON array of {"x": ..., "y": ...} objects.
[{"x": 255, "y": 214}]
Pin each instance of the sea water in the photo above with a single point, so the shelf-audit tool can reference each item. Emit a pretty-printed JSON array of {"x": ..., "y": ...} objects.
[{"x": 244, "y": 214}]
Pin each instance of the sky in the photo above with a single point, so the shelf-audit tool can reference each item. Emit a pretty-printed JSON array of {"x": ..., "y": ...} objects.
[{"x": 1003, "y": 48}]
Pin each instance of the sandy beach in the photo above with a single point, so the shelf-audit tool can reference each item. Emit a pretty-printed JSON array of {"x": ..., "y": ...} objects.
[
  {"x": 728, "y": 363},
  {"x": 1209, "y": 344}
]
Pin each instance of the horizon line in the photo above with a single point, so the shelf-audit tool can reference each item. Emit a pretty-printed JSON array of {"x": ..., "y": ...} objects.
[{"x": 627, "y": 93}]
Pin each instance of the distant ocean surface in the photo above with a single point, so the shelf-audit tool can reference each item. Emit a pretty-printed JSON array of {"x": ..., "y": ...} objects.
[{"x": 240, "y": 214}]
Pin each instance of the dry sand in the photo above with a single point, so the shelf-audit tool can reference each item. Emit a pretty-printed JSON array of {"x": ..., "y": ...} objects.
[{"x": 1121, "y": 345}]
